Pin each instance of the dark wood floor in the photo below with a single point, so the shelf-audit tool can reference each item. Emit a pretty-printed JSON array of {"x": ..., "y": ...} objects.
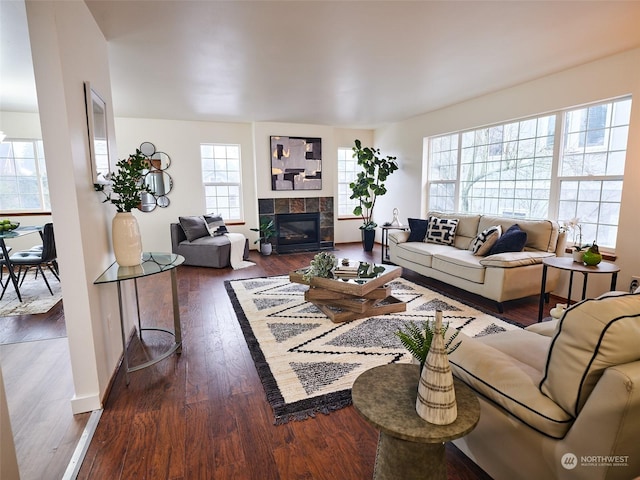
[{"x": 203, "y": 414}]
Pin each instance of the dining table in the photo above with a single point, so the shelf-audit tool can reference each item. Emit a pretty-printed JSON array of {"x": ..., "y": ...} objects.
[{"x": 6, "y": 235}]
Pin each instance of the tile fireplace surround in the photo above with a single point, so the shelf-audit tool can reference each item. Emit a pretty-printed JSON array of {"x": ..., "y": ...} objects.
[{"x": 270, "y": 207}]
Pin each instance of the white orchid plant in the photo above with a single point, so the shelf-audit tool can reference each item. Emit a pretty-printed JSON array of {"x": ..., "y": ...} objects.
[{"x": 574, "y": 226}]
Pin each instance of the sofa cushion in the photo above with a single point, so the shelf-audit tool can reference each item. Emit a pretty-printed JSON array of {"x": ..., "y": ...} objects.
[
  {"x": 509, "y": 382},
  {"x": 459, "y": 263},
  {"x": 591, "y": 336},
  {"x": 513, "y": 240},
  {"x": 442, "y": 230},
  {"x": 515, "y": 259},
  {"x": 194, "y": 227},
  {"x": 420, "y": 253},
  {"x": 418, "y": 229},
  {"x": 485, "y": 240}
]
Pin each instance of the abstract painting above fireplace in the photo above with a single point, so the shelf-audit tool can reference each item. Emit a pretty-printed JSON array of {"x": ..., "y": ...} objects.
[{"x": 296, "y": 163}]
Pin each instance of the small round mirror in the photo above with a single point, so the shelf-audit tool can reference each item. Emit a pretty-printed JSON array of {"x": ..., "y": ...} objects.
[
  {"x": 147, "y": 202},
  {"x": 160, "y": 161},
  {"x": 163, "y": 201},
  {"x": 147, "y": 148}
]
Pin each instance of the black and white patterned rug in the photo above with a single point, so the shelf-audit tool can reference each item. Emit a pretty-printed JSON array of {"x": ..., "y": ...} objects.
[{"x": 307, "y": 364}]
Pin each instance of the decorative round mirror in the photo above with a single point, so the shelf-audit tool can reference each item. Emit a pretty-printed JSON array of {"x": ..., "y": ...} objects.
[
  {"x": 162, "y": 202},
  {"x": 147, "y": 202},
  {"x": 160, "y": 161},
  {"x": 147, "y": 148},
  {"x": 160, "y": 183}
]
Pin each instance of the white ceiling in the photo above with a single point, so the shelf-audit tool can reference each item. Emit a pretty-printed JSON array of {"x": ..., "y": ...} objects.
[{"x": 344, "y": 63}]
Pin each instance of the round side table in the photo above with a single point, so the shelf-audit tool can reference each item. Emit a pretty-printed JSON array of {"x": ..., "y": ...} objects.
[
  {"x": 409, "y": 447},
  {"x": 567, "y": 263}
]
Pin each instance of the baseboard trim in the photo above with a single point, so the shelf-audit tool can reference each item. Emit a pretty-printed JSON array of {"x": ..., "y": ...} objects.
[{"x": 73, "y": 468}]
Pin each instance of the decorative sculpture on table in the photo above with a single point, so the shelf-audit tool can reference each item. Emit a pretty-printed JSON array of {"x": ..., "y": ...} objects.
[
  {"x": 436, "y": 400},
  {"x": 396, "y": 221}
]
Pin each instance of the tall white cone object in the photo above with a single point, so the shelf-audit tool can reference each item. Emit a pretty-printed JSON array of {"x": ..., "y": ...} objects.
[{"x": 436, "y": 401}]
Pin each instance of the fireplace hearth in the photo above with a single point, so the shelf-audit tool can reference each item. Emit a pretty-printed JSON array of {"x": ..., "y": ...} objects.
[{"x": 298, "y": 232}]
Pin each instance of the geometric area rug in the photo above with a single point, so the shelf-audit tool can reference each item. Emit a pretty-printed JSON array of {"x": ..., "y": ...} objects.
[
  {"x": 307, "y": 363},
  {"x": 36, "y": 298}
]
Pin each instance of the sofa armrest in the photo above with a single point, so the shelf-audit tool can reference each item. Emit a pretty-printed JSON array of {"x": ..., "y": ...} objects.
[
  {"x": 177, "y": 236},
  {"x": 398, "y": 237},
  {"x": 515, "y": 259}
]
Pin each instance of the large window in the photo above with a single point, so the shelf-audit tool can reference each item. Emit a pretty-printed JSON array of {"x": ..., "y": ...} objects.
[
  {"x": 221, "y": 175},
  {"x": 566, "y": 165},
  {"x": 347, "y": 172},
  {"x": 23, "y": 177}
]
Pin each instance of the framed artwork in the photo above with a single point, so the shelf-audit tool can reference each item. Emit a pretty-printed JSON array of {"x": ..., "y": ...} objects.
[
  {"x": 296, "y": 163},
  {"x": 98, "y": 137}
]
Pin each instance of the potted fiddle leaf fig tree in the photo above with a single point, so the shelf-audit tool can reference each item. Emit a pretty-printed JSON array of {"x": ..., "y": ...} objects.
[{"x": 368, "y": 186}]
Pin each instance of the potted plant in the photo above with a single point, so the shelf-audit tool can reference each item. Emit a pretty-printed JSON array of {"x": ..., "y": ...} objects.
[
  {"x": 417, "y": 339},
  {"x": 368, "y": 186},
  {"x": 123, "y": 189},
  {"x": 267, "y": 231}
]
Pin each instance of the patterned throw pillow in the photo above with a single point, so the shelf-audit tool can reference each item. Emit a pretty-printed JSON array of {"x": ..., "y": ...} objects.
[
  {"x": 213, "y": 223},
  {"x": 485, "y": 240},
  {"x": 442, "y": 230}
]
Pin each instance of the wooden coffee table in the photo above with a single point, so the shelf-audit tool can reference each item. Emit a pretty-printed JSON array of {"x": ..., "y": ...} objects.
[{"x": 347, "y": 299}]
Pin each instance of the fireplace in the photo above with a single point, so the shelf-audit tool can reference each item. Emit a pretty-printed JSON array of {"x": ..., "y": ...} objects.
[{"x": 298, "y": 232}]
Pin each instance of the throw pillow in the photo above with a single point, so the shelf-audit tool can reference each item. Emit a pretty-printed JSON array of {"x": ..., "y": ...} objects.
[
  {"x": 442, "y": 230},
  {"x": 418, "y": 229},
  {"x": 485, "y": 240},
  {"x": 194, "y": 227},
  {"x": 513, "y": 240},
  {"x": 213, "y": 223}
]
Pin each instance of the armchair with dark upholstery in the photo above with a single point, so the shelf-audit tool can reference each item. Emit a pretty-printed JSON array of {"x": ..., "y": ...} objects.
[{"x": 191, "y": 239}]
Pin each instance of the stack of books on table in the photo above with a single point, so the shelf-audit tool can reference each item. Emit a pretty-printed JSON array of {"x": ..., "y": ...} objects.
[{"x": 346, "y": 271}]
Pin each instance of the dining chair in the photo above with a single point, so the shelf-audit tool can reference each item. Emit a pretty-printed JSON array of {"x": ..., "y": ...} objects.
[{"x": 27, "y": 259}]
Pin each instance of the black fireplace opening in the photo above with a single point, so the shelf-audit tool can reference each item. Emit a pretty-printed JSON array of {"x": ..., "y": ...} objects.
[{"x": 298, "y": 232}]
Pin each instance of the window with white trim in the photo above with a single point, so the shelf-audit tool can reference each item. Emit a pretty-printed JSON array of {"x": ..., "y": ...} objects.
[
  {"x": 23, "y": 177},
  {"x": 566, "y": 165},
  {"x": 222, "y": 179},
  {"x": 347, "y": 173}
]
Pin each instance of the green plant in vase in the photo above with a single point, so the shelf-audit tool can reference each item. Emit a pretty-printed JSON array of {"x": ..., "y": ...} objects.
[
  {"x": 267, "y": 231},
  {"x": 321, "y": 266},
  {"x": 126, "y": 185},
  {"x": 417, "y": 338}
]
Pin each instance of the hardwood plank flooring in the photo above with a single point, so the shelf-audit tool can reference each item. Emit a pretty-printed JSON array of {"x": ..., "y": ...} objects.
[
  {"x": 39, "y": 387},
  {"x": 202, "y": 414}
]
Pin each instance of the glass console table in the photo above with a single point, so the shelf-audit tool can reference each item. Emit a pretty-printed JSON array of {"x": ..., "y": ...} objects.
[{"x": 152, "y": 263}]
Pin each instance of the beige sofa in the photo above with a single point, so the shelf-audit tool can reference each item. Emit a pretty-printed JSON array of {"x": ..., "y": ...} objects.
[
  {"x": 500, "y": 277},
  {"x": 559, "y": 399}
]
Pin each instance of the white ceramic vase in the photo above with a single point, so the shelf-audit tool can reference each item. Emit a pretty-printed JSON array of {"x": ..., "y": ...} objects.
[
  {"x": 577, "y": 256},
  {"x": 125, "y": 236}
]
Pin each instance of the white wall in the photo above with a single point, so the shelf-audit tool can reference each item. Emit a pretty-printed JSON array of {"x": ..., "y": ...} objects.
[
  {"x": 607, "y": 78},
  {"x": 181, "y": 141},
  {"x": 68, "y": 49}
]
